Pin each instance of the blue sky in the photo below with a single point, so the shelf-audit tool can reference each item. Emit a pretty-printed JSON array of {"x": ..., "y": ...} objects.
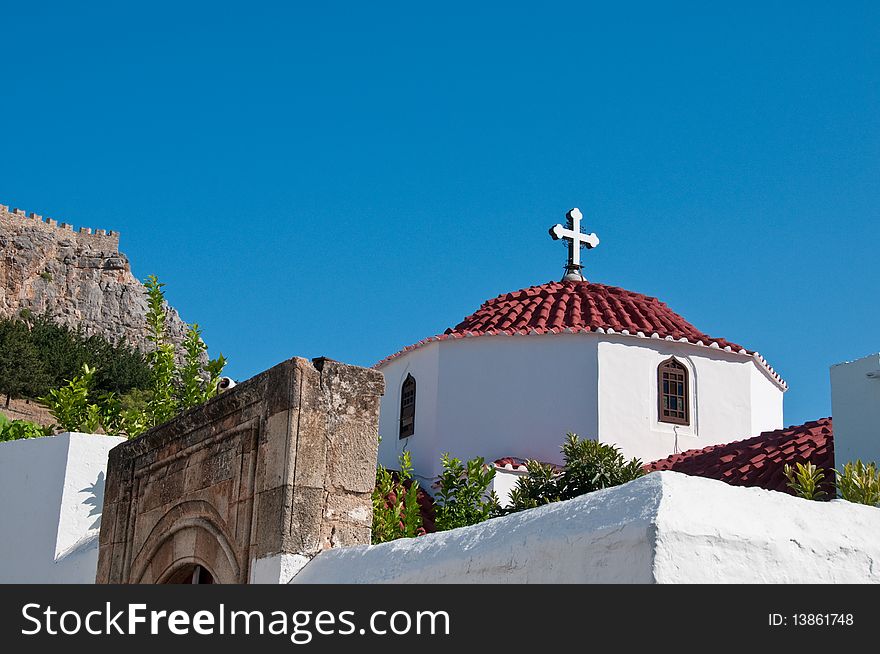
[{"x": 340, "y": 179}]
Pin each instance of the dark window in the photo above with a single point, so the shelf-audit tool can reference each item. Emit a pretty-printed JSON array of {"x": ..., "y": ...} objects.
[
  {"x": 672, "y": 393},
  {"x": 191, "y": 574},
  {"x": 408, "y": 407}
]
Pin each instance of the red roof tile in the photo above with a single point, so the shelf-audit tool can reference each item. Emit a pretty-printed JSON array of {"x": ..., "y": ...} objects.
[
  {"x": 517, "y": 463},
  {"x": 572, "y": 306},
  {"x": 759, "y": 461},
  {"x": 514, "y": 462},
  {"x": 562, "y": 306}
]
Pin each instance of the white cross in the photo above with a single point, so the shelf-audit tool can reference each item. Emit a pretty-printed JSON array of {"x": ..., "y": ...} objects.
[{"x": 576, "y": 240}]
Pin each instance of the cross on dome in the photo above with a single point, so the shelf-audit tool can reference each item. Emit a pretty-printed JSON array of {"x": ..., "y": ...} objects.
[{"x": 576, "y": 240}]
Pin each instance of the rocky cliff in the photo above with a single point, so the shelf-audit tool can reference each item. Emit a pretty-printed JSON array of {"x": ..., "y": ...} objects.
[{"x": 79, "y": 278}]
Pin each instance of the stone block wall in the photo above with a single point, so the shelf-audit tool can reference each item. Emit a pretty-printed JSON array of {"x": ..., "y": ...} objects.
[
  {"x": 282, "y": 465},
  {"x": 76, "y": 276}
]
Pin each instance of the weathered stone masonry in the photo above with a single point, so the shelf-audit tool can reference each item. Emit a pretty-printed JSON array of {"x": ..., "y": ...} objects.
[
  {"x": 79, "y": 278},
  {"x": 283, "y": 463}
]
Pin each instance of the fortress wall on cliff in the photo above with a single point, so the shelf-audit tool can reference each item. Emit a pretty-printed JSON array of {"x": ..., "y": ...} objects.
[{"x": 76, "y": 276}]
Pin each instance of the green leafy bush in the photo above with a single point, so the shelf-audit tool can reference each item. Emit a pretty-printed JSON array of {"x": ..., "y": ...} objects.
[
  {"x": 463, "y": 498},
  {"x": 589, "y": 466},
  {"x": 163, "y": 404},
  {"x": 80, "y": 406},
  {"x": 173, "y": 388},
  {"x": 70, "y": 404},
  {"x": 14, "y": 430},
  {"x": 805, "y": 480},
  {"x": 859, "y": 482},
  {"x": 535, "y": 489},
  {"x": 396, "y": 512}
]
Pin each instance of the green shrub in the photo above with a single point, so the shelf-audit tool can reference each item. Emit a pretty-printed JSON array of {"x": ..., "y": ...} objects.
[
  {"x": 535, "y": 489},
  {"x": 71, "y": 407},
  {"x": 198, "y": 383},
  {"x": 14, "y": 430},
  {"x": 80, "y": 405},
  {"x": 163, "y": 404},
  {"x": 589, "y": 466},
  {"x": 804, "y": 480},
  {"x": 396, "y": 512},
  {"x": 463, "y": 498},
  {"x": 859, "y": 482}
]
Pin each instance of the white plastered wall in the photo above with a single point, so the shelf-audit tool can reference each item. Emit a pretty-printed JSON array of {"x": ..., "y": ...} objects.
[
  {"x": 423, "y": 364},
  {"x": 498, "y": 396},
  {"x": 663, "y": 528},
  {"x": 53, "y": 490},
  {"x": 730, "y": 398},
  {"x": 492, "y": 397}
]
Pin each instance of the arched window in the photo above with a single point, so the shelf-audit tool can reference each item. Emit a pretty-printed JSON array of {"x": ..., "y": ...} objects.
[
  {"x": 673, "y": 397},
  {"x": 408, "y": 407}
]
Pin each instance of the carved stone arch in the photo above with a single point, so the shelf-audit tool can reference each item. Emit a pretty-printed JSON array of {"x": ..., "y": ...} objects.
[{"x": 189, "y": 533}]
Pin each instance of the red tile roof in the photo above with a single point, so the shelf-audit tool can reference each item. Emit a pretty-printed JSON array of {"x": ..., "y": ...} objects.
[
  {"x": 558, "y": 306},
  {"x": 573, "y": 306},
  {"x": 517, "y": 463},
  {"x": 510, "y": 463},
  {"x": 759, "y": 461}
]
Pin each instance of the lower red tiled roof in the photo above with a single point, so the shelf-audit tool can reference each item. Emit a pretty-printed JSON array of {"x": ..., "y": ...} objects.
[{"x": 759, "y": 461}]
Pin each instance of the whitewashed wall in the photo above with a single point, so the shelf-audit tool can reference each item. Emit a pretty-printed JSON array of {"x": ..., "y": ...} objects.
[
  {"x": 730, "y": 397},
  {"x": 855, "y": 406},
  {"x": 504, "y": 482},
  {"x": 53, "y": 493},
  {"x": 516, "y": 395},
  {"x": 492, "y": 397},
  {"x": 497, "y": 396},
  {"x": 663, "y": 528},
  {"x": 423, "y": 364}
]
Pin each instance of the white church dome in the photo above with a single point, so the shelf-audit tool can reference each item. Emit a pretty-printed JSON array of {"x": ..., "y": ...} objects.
[{"x": 578, "y": 307}]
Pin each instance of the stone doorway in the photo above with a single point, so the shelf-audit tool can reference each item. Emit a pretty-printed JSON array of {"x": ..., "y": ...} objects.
[
  {"x": 250, "y": 485},
  {"x": 193, "y": 573}
]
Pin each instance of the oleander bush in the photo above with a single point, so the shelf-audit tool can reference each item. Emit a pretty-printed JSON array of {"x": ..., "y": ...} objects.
[
  {"x": 396, "y": 512},
  {"x": 589, "y": 466}
]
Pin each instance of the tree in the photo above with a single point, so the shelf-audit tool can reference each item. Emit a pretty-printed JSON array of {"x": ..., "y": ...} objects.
[
  {"x": 63, "y": 351},
  {"x": 21, "y": 371}
]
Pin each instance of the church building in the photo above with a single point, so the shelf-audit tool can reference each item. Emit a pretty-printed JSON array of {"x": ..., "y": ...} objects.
[{"x": 510, "y": 380}]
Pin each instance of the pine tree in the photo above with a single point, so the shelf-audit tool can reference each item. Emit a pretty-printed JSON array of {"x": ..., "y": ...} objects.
[{"x": 21, "y": 371}]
